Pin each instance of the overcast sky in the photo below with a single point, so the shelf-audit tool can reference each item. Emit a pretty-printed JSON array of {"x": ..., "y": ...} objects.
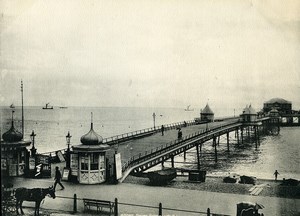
[{"x": 150, "y": 53}]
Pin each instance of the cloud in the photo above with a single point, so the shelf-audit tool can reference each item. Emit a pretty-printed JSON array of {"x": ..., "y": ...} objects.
[{"x": 173, "y": 54}]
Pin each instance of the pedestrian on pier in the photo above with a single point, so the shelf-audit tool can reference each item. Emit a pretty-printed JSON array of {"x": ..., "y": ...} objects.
[
  {"x": 57, "y": 178},
  {"x": 162, "y": 130},
  {"x": 179, "y": 133},
  {"x": 276, "y": 173}
]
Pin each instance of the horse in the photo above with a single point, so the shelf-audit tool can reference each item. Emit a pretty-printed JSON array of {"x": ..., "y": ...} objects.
[{"x": 36, "y": 195}]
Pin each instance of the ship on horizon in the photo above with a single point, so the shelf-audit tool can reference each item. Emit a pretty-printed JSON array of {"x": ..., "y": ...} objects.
[
  {"x": 47, "y": 106},
  {"x": 12, "y": 106},
  {"x": 188, "y": 108}
]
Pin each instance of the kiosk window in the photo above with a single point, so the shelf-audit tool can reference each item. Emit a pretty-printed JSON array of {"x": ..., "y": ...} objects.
[
  {"x": 102, "y": 164},
  {"x": 85, "y": 162},
  {"x": 94, "y": 161}
]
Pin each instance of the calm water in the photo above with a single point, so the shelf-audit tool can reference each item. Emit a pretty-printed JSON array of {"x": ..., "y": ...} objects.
[{"x": 51, "y": 126}]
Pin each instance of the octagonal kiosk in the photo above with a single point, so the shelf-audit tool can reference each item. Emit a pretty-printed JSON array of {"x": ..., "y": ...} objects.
[
  {"x": 90, "y": 159},
  {"x": 14, "y": 154}
]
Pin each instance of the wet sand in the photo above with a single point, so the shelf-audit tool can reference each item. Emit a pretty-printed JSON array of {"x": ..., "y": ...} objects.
[{"x": 272, "y": 188}]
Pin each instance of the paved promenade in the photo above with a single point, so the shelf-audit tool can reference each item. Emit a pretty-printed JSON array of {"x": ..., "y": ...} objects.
[{"x": 222, "y": 203}]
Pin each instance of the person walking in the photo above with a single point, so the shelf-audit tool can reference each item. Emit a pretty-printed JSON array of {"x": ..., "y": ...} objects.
[
  {"x": 276, "y": 173},
  {"x": 179, "y": 133},
  {"x": 162, "y": 130},
  {"x": 57, "y": 178}
]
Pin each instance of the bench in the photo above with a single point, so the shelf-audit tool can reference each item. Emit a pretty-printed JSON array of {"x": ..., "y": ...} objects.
[{"x": 98, "y": 204}]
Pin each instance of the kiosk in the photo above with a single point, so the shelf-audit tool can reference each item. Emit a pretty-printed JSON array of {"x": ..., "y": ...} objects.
[
  {"x": 88, "y": 160},
  {"x": 14, "y": 154}
]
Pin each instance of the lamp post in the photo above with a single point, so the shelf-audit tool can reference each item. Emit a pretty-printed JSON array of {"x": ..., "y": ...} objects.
[
  {"x": 154, "y": 119},
  {"x": 68, "y": 138},
  {"x": 33, "y": 149}
]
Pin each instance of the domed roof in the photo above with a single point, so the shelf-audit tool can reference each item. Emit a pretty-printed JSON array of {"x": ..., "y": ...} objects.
[
  {"x": 207, "y": 110},
  {"x": 278, "y": 100},
  {"x": 12, "y": 135},
  {"x": 91, "y": 138},
  {"x": 249, "y": 110}
]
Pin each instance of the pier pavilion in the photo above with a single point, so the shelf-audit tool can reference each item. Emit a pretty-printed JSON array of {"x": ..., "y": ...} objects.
[
  {"x": 249, "y": 114},
  {"x": 283, "y": 106},
  {"x": 14, "y": 154},
  {"x": 207, "y": 114},
  {"x": 88, "y": 160}
]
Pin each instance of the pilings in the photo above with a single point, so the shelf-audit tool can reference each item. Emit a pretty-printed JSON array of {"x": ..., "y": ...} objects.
[
  {"x": 198, "y": 157},
  {"x": 227, "y": 141},
  {"x": 215, "y": 145}
]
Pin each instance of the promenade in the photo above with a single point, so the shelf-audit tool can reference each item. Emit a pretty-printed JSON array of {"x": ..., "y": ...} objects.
[{"x": 184, "y": 199}]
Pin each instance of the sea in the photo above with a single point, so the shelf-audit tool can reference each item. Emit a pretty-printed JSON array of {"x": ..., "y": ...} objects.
[{"x": 51, "y": 126}]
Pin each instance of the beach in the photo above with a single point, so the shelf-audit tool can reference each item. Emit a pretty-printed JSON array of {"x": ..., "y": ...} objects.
[{"x": 271, "y": 188}]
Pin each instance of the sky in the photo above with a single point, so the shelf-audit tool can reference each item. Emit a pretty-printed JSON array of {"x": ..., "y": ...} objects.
[{"x": 149, "y": 53}]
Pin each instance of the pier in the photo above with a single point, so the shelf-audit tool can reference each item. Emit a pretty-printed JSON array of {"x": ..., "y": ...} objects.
[{"x": 144, "y": 149}]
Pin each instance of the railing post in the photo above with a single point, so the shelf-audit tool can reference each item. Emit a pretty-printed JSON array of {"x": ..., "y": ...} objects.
[
  {"x": 208, "y": 211},
  {"x": 75, "y": 204},
  {"x": 116, "y": 213},
  {"x": 160, "y": 209}
]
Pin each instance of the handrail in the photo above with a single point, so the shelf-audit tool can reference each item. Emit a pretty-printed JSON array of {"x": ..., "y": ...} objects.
[
  {"x": 143, "y": 131},
  {"x": 159, "y": 150},
  {"x": 119, "y": 137}
]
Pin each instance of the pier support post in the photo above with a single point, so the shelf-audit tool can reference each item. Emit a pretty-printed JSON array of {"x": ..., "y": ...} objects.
[
  {"x": 227, "y": 141},
  {"x": 162, "y": 164},
  {"x": 248, "y": 131},
  {"x": 218, "y": 140},
  {"x": 255, "y": 135},
  {"x": 172, "y": 161},
  {"x": 198, "y": 157},
  {"x": 258, "y": 135},
  {"x": 184, "y": 155},
  {"x": 215, "y": 145},
  {"x": 238, "y": 138},
  {"x": 242, "y": 135}
]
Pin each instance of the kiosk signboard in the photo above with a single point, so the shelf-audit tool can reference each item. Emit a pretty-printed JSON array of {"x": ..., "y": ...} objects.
[
  {"x": 43, "y": 166},
  {"x": 118, "y": 166},
  {"x": 31, "y": 163},
  {"x": 74, "y": 164},
  {"x": 66, "y": 173}
]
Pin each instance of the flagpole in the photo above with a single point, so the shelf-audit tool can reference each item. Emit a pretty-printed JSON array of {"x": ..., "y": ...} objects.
[{"x": 22, "y": 110}]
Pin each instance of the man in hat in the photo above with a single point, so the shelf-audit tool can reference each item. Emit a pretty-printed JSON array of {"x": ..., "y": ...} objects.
[{"x": 57, "y": 178}]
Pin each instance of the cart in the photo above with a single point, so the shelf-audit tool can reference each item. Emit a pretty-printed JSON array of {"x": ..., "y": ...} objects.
[{"x": 249, "y": 209}]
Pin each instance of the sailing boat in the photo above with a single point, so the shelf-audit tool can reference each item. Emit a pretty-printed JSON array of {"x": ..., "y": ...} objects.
[
  {"x": 188, "y": 108},
  {"x": 47, "y": 106},
  {"x": 12, "y": 106}
]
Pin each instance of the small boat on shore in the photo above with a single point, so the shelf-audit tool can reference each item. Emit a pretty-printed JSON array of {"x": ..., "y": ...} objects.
[
  {"x": 161, "y": 177},
  {"x": 188, "y": 108},
  {"x": 47, "y": 106}
]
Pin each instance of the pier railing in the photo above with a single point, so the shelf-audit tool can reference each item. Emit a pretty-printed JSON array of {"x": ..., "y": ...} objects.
[
  {"x": 147, "y": 155},
  {"x": 74, "y": 205},
  {"x": 139, "y": 133},
  {"x": 130, "y": 135}
]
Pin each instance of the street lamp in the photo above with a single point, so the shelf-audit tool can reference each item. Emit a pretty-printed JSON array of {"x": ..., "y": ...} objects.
[
  {"x": 33, "y": 149},
  {"x": 68, "y": 138},
  {"x": 154, "y": 119}
]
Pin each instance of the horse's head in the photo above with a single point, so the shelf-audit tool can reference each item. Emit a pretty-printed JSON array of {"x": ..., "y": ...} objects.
[{"x": 51, "y": 192}]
